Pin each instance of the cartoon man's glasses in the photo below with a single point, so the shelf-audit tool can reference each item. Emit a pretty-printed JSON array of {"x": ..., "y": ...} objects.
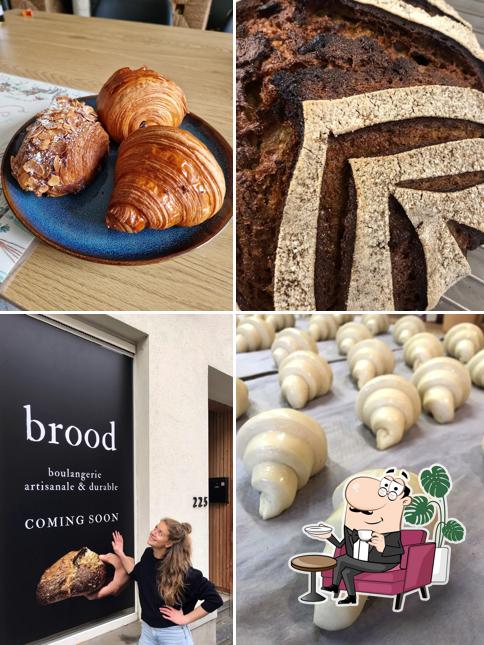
[{"x": 390, "y": 488}]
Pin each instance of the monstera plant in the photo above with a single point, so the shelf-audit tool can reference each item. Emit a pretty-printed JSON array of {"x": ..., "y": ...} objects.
[{"x": 436, "y": 482}]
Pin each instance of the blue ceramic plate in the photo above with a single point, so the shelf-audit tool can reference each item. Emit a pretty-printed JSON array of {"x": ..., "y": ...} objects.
[{"x": 75, "y": 223}]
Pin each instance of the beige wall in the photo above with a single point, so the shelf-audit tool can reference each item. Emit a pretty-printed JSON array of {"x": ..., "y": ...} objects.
[{"x": 180, "y": 349}]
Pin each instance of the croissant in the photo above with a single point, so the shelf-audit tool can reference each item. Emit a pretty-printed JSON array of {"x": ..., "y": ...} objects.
[
  {"x": 281, "y": 449},
  {"x": 281, "y": 321},
  {"x": 463, "y": 341},
  {"x": 164, "y": 177},
  {"x": 407, "y": 326},
  {"x": 241, "y": 319},
  {"x": 421, "y": 348},
  {"x": 303, "y": 376},
  {"x": 389, "y": 405},
  {"x": 290, "y": 340},
  {"x": 242, "y": 398},
  {"x": 341, "y": 319},
  {"x": 376, "y": 323},
  {"x": 370, "y": 358},
  {"x": 349, "y": 334},
  {"x": 61, "y": 150},
  {"x": 444, "y": 385},
  {"x": 135, "y": 98},
  {"x": 476, "y": 368},
  {"x": 253, "y": 334},
  {"x": 323, "y": 326}
]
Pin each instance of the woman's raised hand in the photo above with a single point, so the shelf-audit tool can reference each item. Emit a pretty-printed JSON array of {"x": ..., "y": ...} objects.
[
  {"x": 118, "y": 543},
  {"x": 175, "y": 615},
  {"x": 119, "y": 581}
]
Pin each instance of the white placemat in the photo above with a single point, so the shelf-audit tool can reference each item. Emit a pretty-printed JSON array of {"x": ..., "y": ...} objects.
[{"x": 20, "y": 99}]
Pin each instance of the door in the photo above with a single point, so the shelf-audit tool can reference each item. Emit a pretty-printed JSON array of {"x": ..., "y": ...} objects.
[{"x": 220, "y": 514}]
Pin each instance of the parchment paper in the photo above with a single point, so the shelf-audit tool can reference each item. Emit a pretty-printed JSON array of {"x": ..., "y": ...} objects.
[{"x": 268, "y": 610}]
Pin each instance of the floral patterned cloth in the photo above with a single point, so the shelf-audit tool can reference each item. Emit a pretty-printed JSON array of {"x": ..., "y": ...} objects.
[{"x": 20, "y": 99}]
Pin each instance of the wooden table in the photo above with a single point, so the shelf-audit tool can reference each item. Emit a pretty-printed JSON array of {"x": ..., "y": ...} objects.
[
  {"x": 312, "y": 563},
  {"x": 82, "y": 53}
]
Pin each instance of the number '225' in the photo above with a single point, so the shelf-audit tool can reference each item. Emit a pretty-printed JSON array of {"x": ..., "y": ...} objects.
[{"x": 200, "y": 502}]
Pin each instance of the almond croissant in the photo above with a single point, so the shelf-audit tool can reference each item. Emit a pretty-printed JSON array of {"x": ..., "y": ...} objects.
[
  {"x": 164, "y": 177},
  {"x": 134, "y": 98},
  {"x": 61, "y": 150}
]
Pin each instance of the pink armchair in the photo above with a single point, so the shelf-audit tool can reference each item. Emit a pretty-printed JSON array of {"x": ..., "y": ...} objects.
[{"x": 414, "y": 571}]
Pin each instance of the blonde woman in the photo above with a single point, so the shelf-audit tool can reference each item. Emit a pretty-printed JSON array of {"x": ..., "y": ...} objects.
[{"x": 169, "y": 588}]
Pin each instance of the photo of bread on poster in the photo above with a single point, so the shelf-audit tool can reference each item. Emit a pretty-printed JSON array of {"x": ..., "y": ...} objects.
[
  {"x": 66, "y": 479},
  {"x": 77, "y": 573}
]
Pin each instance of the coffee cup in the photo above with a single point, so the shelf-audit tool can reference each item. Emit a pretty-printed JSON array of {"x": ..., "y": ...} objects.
[{"x": 365, "y": 535}]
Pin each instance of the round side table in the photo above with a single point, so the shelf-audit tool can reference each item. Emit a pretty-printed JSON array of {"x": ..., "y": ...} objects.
[{"x": 312, "y": 563}]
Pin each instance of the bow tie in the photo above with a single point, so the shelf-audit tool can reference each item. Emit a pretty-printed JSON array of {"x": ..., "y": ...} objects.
[{"x": 354, "y": 535}]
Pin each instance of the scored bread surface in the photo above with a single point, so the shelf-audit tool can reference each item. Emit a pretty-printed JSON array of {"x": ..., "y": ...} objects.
[{"x": 323, "y": 87}]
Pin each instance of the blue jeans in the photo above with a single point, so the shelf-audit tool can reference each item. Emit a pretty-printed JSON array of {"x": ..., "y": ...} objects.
[{"x": 178, "y": 635}]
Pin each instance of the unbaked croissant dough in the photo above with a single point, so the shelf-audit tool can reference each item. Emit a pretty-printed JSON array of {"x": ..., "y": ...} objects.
[
  {"x": 164, "y": 177},
  {"x": 476, "y": 368},
  {"x": 376, "y": 323},
  {"x": 303, "y": 376},
  {"x": 370, "y": 358},
  {"x": 341, "y": 319},
  {"x": 290, "y": 340},
  {"x": 242, "y": 397},
  {"x": 242, "y": 318},
  {"x": 421, "y": 348},
  {"x": 407, "y": 326},
  {"x": 77, "y": 573},
  {"x": 349, "y": 334},
  {"x": 253, "y": 334},
  {"x": 135, "y": 98},
  {"x": 463, "y": 341},
  {"x": 281, "y": 321},
  {"x": 389, "y": 405},
  {"x": 323, "y": 326},
  {"x": 281, "y": 449},
  {"x": 444, "y": 385}
]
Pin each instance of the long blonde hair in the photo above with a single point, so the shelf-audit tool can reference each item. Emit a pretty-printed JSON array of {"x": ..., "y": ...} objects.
[{"x": 174, "y": 566}]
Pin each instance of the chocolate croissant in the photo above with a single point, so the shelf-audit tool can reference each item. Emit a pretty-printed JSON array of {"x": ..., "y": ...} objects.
[
  {"x": 164, "y": 177},
  {"x": 134, "y": 98},
  {"x": 77, "y": 573},
  {"x": 61, "y": 150}
]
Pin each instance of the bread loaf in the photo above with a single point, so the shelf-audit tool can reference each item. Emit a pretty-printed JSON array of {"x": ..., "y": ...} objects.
[
  {"x": 360, "y": 153},
  {"x": 77, "y": 573}
]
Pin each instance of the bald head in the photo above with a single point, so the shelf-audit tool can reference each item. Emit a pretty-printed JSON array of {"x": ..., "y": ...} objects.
[{"x": 371, "y": 506}]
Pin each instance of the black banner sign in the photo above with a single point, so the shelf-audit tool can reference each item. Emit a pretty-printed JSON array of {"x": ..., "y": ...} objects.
[{"x": 66, "y": 469}]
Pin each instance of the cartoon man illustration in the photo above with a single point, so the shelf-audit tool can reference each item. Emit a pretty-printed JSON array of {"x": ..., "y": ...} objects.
[{"x": 372, "y": 528}]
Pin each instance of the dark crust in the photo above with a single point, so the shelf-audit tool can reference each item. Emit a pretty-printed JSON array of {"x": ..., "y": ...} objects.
[
  {"x": 308, "y": 49},
  {"x": 87, "y": 579},
  {"x": 336, "y": 226}
]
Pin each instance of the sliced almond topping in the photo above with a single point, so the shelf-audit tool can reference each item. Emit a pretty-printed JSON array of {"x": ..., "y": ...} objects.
[
  {"x": 59, "y": 147},
  {"x": 54, "y": 181},
  {"x": 44, "y": 144},
  {"x": 57, "y": 164},
  {"x": 33, "y": 167},
  {"x": 42, "y": 189}
]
